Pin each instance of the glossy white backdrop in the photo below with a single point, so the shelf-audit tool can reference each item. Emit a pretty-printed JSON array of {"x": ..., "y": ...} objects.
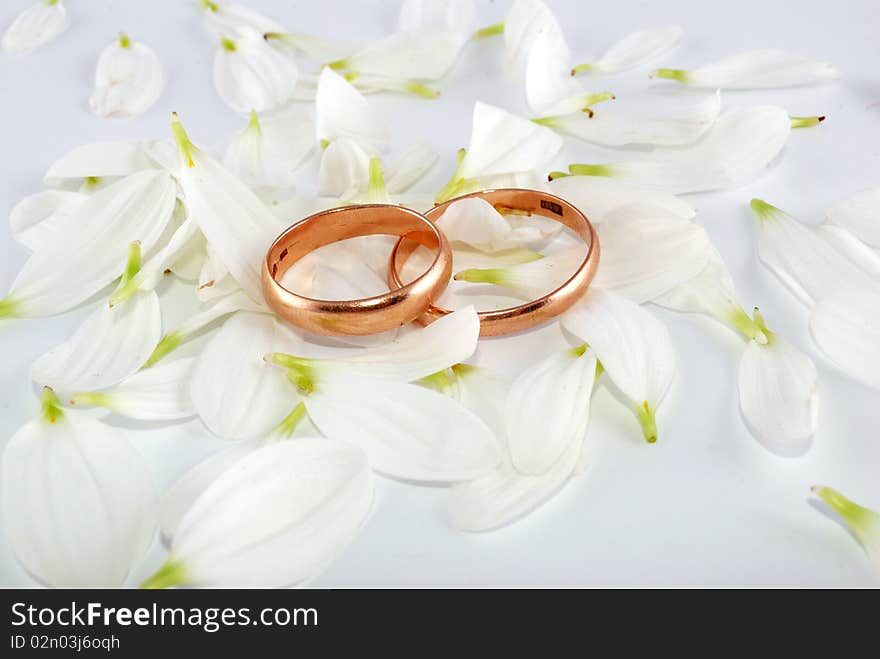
[{"x": 706, "y": 505}]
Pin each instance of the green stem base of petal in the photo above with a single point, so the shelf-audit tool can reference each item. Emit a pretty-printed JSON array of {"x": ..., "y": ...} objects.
[
  {"x": 300, "y": 371},
  {"x": 496, "y": 276},
  {"x": 855, "y": 515},
  {"x": 806, "y": 122},
  {"x": 168, "y": 343},
  {"x": 172, "y": 573},
  {"x": 442, "y": 381},
  {"x": 580, "y": 169},
  {"x": 672, "y": 74},
  {"x": 746, "y": 326},
  {"x": 646, "y": 418},
  {"x": 763, "y": 210},
  {"x": 582, "y": 68},
  {"x": 288, "y": 424},
  {"x": 489, "y": 31},
  {"x": 9, "y": 308},
  {"x": 91, "y": 398},
  {"x": 186, "y": 147},
  {"x": 50, "y": 406},
  {"x": 420, "y": 90}
]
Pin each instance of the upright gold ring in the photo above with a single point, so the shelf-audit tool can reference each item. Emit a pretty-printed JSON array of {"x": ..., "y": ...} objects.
[
  {"x": 370, "y": 315},
  {"x": 523, "y": 202}
]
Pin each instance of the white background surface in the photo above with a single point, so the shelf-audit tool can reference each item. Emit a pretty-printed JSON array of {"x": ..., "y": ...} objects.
[{"x": 707, "y": 505}]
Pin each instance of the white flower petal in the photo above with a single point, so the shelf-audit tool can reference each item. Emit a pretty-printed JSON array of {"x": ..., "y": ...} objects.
[
  {"x": 98, "y": 159},
  {"x": 502, "y": 143},
  {"x": 160, "y": 393},
  {"x": 422, "y": 54},
  {"x": 409, "y": 166},
  {"x": 128, "y": 81},
  {"x": 179, "y": 498},
  {"x": 407, "y": 431},
  {"x": 35, "y": 26},
  {"x": 277, "y": 517},
  {"x": 632, "y": 344},
  {"x": 505, "y": 495},
  {"x": 251, "y": 75},
  {"x": 596, "y": 197},
  {"x": 860, "y": 214},
  {"x": 38, "y": 219},
  {"x": 236, "y": 19},
  {"x": 319, "y": 49},
  {"x": 342, "y": 111},
  {"x": 636, "y": 49},
  {"x": 647, "y": 251},
  {"x": 474, "y": 222},
  {"x": 524, "y": 24},
  {"x": 268, "y": 151},
  {"x": 79, "y": 507},
  {"x": 605, "y": 125},
  {"x": 548, "y": 409},
  {"x": 863, "y": 522},
  {"x": 779, "y": 394},
  {"x": 846, "y": 326},
  {"x": 345, "y": 169},
  {"x": 88, "y": 256},
  {"x": 236, "y": 393},
  {"x": 550, "y": 89},
  {"x": 112, "y": 344},
  {"x": 755, "y": 69},
  {"x": 238, "y": 226},
  {"x": 736, "y": 149},
  {"x": 532, "y": 279},
  {"x": 803, "y": 257}
]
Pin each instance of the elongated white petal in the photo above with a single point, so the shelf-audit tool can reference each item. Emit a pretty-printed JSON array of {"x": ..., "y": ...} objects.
[
  {"x": 550, "y": 89},
  {"x": 606, "y": 125},
  {"x": 633, "y": 346},
  {"x": 407, "y": 431},
  {"x": 268, "y": 151},
  {"x": 779, "y": 394},
  {"x": 502, "y": 142},
  {"x": 635, "y": 49},
  {"x": 251, "y": 75},
  {"x": 475, "y": 222},
  {"x": 647, "y": 251},
  {"x": 863, "y": 522},
  {"x": 277, "y": 517},
  {"x": 89, "y": 255},
  {"x": 860, "y": 214},
  {"x": 533, "y": 279},
  {"x": 505, "y": 495},
  {"x": 548, "y": 408},
  {"x": 128, "y": 81},
  {"x": 804, "y": 258},
  {"x": 236, "y": 19},
  {"x": 100, "y": 160},
  {"x": 408, "y": 167},
  {"x": 160, "y": 393},
  {"x": 79, "y": 507},
  {"x": 736, "y": 149},
  {"x": 179, "y": 498},
  {"x": 342, "y": 111},
  {"x": 345, "y": 169},
  {"x": 35, "y": 26},
  {"x": 846, "y": 326},
  {"x": 238, "y": 226},
  {"x": 524, "y": 24},
  {"x": 109, "y": 346},
  {"x": 483, "y": 393},
  {"x": 236, "y": 393},
  {"x": 755, "y": 69},
  {"x": 38, "y": 219},
  {"x": 596, "y": 197},
  {"x": 423, "y": 54}
]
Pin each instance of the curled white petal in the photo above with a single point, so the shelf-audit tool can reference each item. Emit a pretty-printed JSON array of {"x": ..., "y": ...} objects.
[
  {"x": 606, "y": 125},
  {"x": 236, "y": 393},
  {"x": 408, "y": 167},
  {"x": 407, "y": 431},
  {"x": 779, "y": 394},
  {"x": 129, "y": 79},
  {"x": 596, "y": 197},
  {"x": 89, "y": 255},
  {"x": 548, "y": 408},
  {"x": 38, "y": 219},
  {"x": 735, "y": 150},
  {"x": 342, "y": 111},
  {"x": 755, "y": 69},
  {"x": 268, "y": 151},
  {"x": 524, "y": 24},
  {"x": 476, "y": 223},
  {"x": 636, "y": 49},
  {"x": 35, "y": 26},
  {"x": 631, "y": 343},
  {"x": 860, "y": 214},
  {"x": 101, "y": 160},
  {"x": 647, "y": 251},
  {"x": 345, "y": 169},
  {"x": 251, "y": 75},
  {"x": 846, "y": 326},
  {"x": 277, "y": 517},
  {"x": 160, "y": 393},
  {"x": 79, "y": 507},
  {"x": 863, "y": 522}
]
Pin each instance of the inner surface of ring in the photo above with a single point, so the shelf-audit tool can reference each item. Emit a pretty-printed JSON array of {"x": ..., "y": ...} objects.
[
  {"x": 508, "y": 202},
  {"x": 344, "y": 223}
]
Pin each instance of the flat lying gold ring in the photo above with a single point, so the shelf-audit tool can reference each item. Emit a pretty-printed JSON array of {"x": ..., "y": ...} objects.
[
  {"x": 516, "y": 319},
  {"x": 370, "y": 315}
]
